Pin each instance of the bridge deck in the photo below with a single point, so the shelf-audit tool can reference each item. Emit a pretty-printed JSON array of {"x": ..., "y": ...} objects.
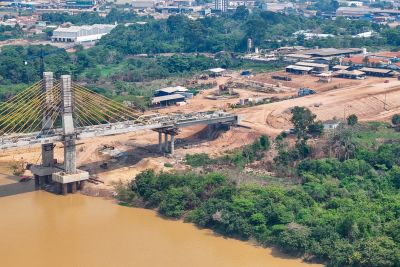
[{"x": 153, "y": 123}]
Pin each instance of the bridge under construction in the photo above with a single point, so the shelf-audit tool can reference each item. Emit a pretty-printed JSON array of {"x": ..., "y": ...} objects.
[{"x": 53, "y": 111}]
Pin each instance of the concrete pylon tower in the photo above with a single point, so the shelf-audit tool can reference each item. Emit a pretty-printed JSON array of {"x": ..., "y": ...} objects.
[
  {"x": 47, "y": 123},
  {"x": 68, "y": 125},
  {"x": 71, "y": 178},
  {"x": 43, "y": 172}
]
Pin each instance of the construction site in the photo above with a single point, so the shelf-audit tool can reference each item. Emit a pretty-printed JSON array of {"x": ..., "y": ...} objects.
[{"x": 262, "y": 102}]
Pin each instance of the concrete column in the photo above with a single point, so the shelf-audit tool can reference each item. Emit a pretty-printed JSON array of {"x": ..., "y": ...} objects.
[
  {"x": 67, "y": 105},
  {"x": 210, "y": 130},
  {"x": 47, "y": 87},
  {"x": 73, "y": 187},
  {"x": 64, "y": 189},
  {"x": 37, "y": 181},
  {"x": 165, "y": 142},
  {"x": 82, "y": 185},
  {"x": 47, "y": 122},
  {"x": 42, "y": 181},
  {"x": 68, "y": 125},
  {"x": 48, "y": 155},
  {"x": 172, "y": 150},
  {"x": 160, "y": 142},
  {"x": 69, "y": 154}
]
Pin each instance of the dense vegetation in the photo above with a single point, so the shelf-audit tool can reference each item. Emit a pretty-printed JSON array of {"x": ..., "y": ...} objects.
[
  {"x": 8, "y": 32},
  {"x": 81, "y": 18},
  {"x": 214, "y": 34},
  {"x": 343, "y": 208}
]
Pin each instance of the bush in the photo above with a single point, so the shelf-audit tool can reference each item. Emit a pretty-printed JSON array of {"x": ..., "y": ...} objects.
[
  {"x": 352, "y": 120},
  {"x": 197, "y": 160}
]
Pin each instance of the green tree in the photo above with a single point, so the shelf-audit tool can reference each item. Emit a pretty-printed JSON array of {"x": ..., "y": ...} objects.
[{"x": 352, "y": 120}]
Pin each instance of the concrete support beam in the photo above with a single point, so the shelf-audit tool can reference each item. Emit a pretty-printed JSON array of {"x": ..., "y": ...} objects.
[
  {"x": 160, "y": 146},
  {"x": 67, "y": 105},
  {"x": 48, "y": 83},
  {"x": 69, "y": 154},
  {"x": 37, "y": 181},
  {"x": 81, "y": 185},
  {"x": 73, "y": 187},
  {"x": 165, "y": 142},
  {"x": 64, "y": 189},
  {"x": 48, "y": 155},
  {"x": 68, "y": 125},
  {"x": 172, "y": 148},
  {"x": 210, "y": 131}
]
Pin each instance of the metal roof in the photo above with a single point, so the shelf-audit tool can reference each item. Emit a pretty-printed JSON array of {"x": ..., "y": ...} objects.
[
  {"x": 158, "y": 99},
  {"x": 294, "y": 67},
  {"x": 174, "y": 89},
  {"x": 376, "y": 70},
  {"x": 217, "y": 70},
  {"x": 311, "y": 64}
]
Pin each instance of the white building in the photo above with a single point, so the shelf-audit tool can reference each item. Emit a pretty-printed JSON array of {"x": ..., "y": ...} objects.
[
  {"x": 143, "y": 4},
  {"x": 221, "y": 5},
  {"x": 351, "y": 3},
  {"x": 79, "y": 34}
]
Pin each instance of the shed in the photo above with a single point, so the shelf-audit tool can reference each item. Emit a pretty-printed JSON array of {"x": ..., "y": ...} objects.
[
  {"x": 167, "y": 100},
  {"x": 354, "y": 74},
  {"x": 216, "y": 71},
  {"x": 315, "y": 66},
  {"x": 340, "y": 67},
  {"x": 378, "y": 72},
  {"x": 330, "y": 124},
  {"x": 170, "y": 90},
  {"x": 298, "y": 69}
]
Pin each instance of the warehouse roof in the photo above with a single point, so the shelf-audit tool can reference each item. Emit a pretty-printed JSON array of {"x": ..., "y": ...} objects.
[
  {"x": 311, "y": 64},
  {"x": 158, "y": 99},
  {"x": 376, "y": 70},
  {"x": 173, "y": 89},
  {"x": 217, "y": 70},
  {"x": 294, "y": 67},
  {"x": 326, "y": 52}
]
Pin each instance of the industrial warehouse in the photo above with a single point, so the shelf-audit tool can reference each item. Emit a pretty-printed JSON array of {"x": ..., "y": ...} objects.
[{"x": 80, "y": 34}]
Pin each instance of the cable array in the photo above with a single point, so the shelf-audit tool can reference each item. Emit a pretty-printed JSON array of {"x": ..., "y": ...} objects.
[
  {"x": 38, "y": 110},
  {"x": 93, "y": 109},
  {"x": 23, "y": 113}
]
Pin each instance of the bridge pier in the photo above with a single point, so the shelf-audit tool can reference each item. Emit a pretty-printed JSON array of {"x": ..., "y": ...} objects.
[
  {"x": 43, "y": 172},
  {"x": 172, "y": 147},
  {"x": 168, "y": 146},
  {"x": 160, "y": 144},
  {"x": 68, "y": 178},
  {"x": 166, "y": 142}
]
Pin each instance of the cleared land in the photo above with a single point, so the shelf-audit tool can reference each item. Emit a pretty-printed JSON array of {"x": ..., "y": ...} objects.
[{"x": 138, "y": 151}]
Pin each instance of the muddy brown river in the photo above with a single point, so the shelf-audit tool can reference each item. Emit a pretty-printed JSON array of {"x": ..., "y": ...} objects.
[{"x": 41, "y": 229}]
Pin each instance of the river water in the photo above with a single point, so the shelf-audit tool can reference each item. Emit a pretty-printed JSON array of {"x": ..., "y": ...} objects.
[{"x": 41, "y": 229}]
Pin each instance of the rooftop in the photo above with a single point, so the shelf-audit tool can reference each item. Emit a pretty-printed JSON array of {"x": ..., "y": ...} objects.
[
  {"x": 296, "y": 67},
  {"x": 332, "y": 51},
  {"x": 158, "y": 99},
  {"x": 311, "y": 64},
  {"x": 217, "y": 70},
  {"x": 376, "y": 70},
  {"x": 173, "y": 89}
]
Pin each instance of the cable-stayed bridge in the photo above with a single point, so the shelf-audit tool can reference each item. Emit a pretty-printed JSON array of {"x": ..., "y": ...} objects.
[{"x": 62, "y": 111}]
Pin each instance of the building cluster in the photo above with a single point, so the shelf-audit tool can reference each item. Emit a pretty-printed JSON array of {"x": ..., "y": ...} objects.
[
  {"x": 49, "y": 4},
  {"x": 351, "y": 63}
]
